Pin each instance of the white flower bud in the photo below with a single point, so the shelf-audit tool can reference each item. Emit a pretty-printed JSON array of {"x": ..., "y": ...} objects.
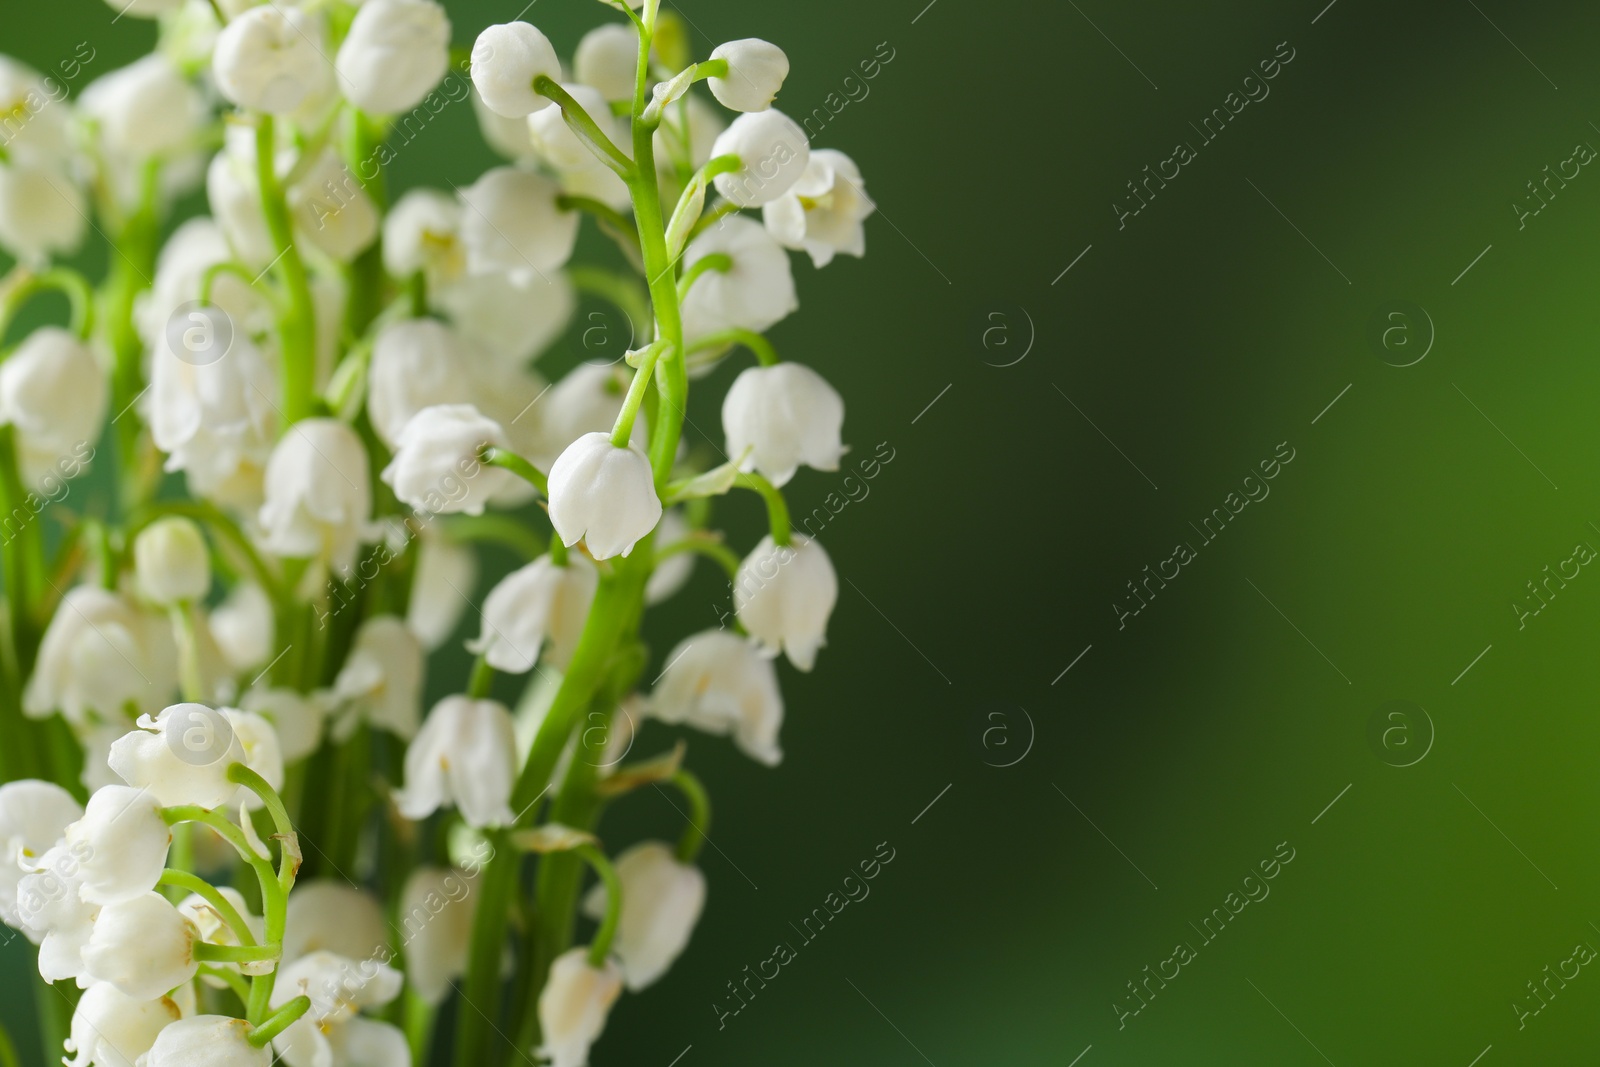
[
  {"x": 607, "y": 59},
  {"x": 554, "y": 140},
  {"x": 756, "y": 70},
  {"x": 436, "y": 910},
  {"x": 53, "y": 391},
  {"x": 661, "y": 902},
  {"x": 603, "y": 494},
  {"x": 823, "y": 212},
  {"x": 318, "y": 499},
  {"x": 143, "y": 946},
  {"x": 100, "y": 654},
  {"x": 416, "y": 363},
  {"x": 381, "y": 680},
  {"x": 785, "y": 415},
  {"x": 573, "y": 1007},
  {"x": 234, "y": 194},
  {"x": 272, "y": 59},
  {"x": 207, "y": 1041},
  {"x": 42, "y": 211},
  {"x": 182, "y": 756},
  {"x": 397, "y": 50},
  {"x": 446, "y": 575},
  {"x": 121, "y": 843},
  {"x": 332, "y": 210},
  {"x": 423, "y": 233},
  {"x": 718, "y": 682},
  {"x": 336, "y": 917},
  {"x": 33, "y": 817},
  {"x": 512, "y": 223},
  {"x": 512, "y": 318},
  {"x": 537, "y": 603},
  {"x": 464, "y": 755},
  {"x": 505, "y": 61},
  {"x": 784, "y": 596},
  {"x": 242, "y": 627},
  {"x": 436, "y": 468},
  {"x": 146, "y": 110},
  {"x": 756, "y": 293},
  {"x": 772, "y": 152},
  {"x": 112, "y": 1029},
  {"x": 172, "y": 562}
]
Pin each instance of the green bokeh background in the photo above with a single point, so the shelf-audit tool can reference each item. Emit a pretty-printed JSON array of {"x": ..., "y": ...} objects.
[{"x": 1183, "y": 749}]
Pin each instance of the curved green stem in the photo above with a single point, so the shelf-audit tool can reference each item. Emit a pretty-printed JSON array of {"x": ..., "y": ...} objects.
[
  {"x": 755, "y": 342},
  {"x": 600, "y": 947},
  {"x": 706, "y": 545},
  {"x": 510, "y": 461},
  {"x": 297, "y": 324},
  {"x": 60, "y": 279},
  {"x": 719, "y": 262},
  {"x": 208, "y": 280},
  {"x": 686, "y": 217},
  {"x": 622, "y": 429},
  {"x": 492, "y": 528},
  {"x": 585, "y": 127},
  {"x": 279, "y": 1021},
  {"x": 620, "y": 224},
  {"x": 232, "y": 978},
  {"x": 209, "y": 953},
  {"x": 777, "y": 509},
  {"x": 695, "y": 834},
  {"x": 482, "y": 679},
  {"x": 212, "y": 896}
]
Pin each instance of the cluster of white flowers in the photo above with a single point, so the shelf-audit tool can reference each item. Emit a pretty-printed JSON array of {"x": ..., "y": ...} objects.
[{"x": 326, "y": 397}]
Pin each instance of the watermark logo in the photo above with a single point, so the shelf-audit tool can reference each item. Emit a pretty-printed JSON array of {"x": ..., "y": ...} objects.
[
  {"x": 198, "y": 735},
  {"x": 1401, "y": 333},
  {"x": 1006, "y": 336},
  {"x": 1004, "y": 734},
  {"x": 199, "y": 334},
  {"x": 1400, "y": 733}
]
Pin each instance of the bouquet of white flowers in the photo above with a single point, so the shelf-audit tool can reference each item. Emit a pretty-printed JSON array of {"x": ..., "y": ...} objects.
[{"x": 295, "y": 862}]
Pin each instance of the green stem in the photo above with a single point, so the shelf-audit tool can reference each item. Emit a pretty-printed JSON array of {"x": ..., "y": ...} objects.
[
  {"x": 720, "y": 262},
  {"x": 188, "y": 642},
  {"x": 721, "y": 211},
  {"x": 297, "y": 325},
  {"x": 492, "y": 528},
  {"x": 212, "y": 896},
  {"x": 8, "y": 1050},
  {"x": 129, "y": 275},
  {"x": 279, "y": 1021},
  {"x": 482, "y": 680},
  {"x": 777, "y": 510},
  {"x": 706, "y": 545},
  {"x": 60, "y": 279},
  {"x": 694, "y": 835},
  {"x": 505, "y": 460},
  {"x": 585, "y": 127},
  {"x": 619, "y": 223},
  {"x": 622, "y": 430},
  {"x": 600, "y": 947},
  {"x": 755, "y": 342},
  {"x": 622, "y": 291},
  {"x": 208, "y": 281},
  {"x": 209, "y": 953},
  {"x": 234, "y": 980}
]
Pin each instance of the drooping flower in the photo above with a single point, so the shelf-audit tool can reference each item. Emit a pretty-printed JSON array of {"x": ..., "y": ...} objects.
[
  {"x": 101, "y": 654},
  {"x": 416, "y": 363},
  {"x": 42, "y": 210},
  {"x": 823, "y": 212},
  {"x": 171, "y": 562},
  {"x": 422, "y": 232},
  {"x": 754, "y": 293},
  {"x": 603, "y": 495},
  {"x": 54, "y": 392},
  {"x": 207, "y": 1041},
  {"x": 783, "y": 416},
  {"x": 296, "y": 719},
  {"x": 53, "y": 914},
  {"x": 719, "y": 682},
  {"x": 446, "y": 574},
  {"x": 436, "y": 466},
  {"x": 332, "y": 210},
  {"x": 146, "y": 110},
  {"x": 436, "y": 910},
  {"x": 318, "y": 499},
  {"x": 587, "y": 400},
  {"x": 143, "y": 946},
  {"x": 181, "y": 756},
  {"x": 606, "y": 59},
  {"x": 272, "y": 59},
  {"x": 334, "y": 916},
  {"x": 772, "y": 152},
  {"x": 33, "y": 816},
  {"x": 465, "y": 756},
  {"x": 242, "y": 627},
  {"x": 661, "y": 901},
  {"x": 339, "y": 988},
  {"x": 784, "y": 596},
  {"x": 538, "y": 603},
  {"x": 120, "y": 845},
  {"x": 756, "y": 71},
  {"x": 512, "y": 223},
  {"x": 512, "y": 316},
  {"x": 381, "y": 680},
  {"x": 112, "y": 1029},
  {"x": 506, "y": 58},
  {"x": 395, "y": 52},
  {"x": 573, "y": 1006}
]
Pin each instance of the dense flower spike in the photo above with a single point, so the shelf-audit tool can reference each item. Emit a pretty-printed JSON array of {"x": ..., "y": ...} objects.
[{"x": 342, "y": 372}]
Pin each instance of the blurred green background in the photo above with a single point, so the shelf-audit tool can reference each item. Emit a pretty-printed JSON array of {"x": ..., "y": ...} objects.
[{"x": 1080, "y": 422}]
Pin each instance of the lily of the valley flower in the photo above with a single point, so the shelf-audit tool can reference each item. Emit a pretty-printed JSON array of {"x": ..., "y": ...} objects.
[
  {"x": 416, "y": 363},
  {"x": 171, "y": 562},
  {"x": 603, "y": 495},
  {"x": 396, "y": 51},
  {"x": 606, "y": 59},
  {"x": 505, "y": 61},
  {"x": 33, "y": 817},
  {"x": 272, "y": 59},
  {"x": 332, "y": 1033},
  {"x": 754, "y": 293},
  {"x": 719, "y": 682},
  {"x": 42, "y": 210},
  {"x": 101, "y": 654},
  {"x": 334, "y": 916},
  {"x": 537, "y": 603},
  {"x": 296, "y": 719},
  {"x": 145, "y": 110},
  {"x": 446, "y": 575},
  {"x": 782, "y": 417},
  {"x": 207, "y": 1041},
  {"x": 573, "y": 1006},
  {"x": 422, "y": 232},
  {"x": 436, "y": 466},
  {"x": 143, "y": 946},
  {"x": 112, "y": 1029},
  {"x": 332, "y": 211},
  {"x": 436, "y": 911},
  {"x": 512, "y": 222},
  {"x": 318, "y": 499},
  {"x": 465, "y": 756},
  {"x": 784, "y": 596},
  {"x": 120, "y": 845},
  {"x": 182, "y": 755},
  {"x": 381, "y": 680},
  {"x": 661, "y": 901},
  {"x": 772, "y": 152},
  {"x": 53, "y": 391},
  {"x": 756, "y": 70},
  {"x": 823, "y": 212},
  {"x": 242, "y": 627}
]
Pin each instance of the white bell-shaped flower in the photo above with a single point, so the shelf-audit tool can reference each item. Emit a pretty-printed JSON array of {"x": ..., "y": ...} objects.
[
  {"x": 422, "y": 232},
  {"x": 207, "y": 1041},
  {"x": 242, "y": 627},
  {"x": 143, "y": 946},
  {"x": 512, "y": 316},
  {"x": 436, "y": 467},
  {"x": 395, "y": 52},
  {"x": 754, "y": 293},
  {"x": 215, "y": 418},
  {"x": 171, "y": 561},
  {"x": 661, "y": 901},
  {"x": 339, "y": 989},
  {"x": 506, "y": 59},
  {"x": 436, "y": 910},
  {"x": 334, "y": 916},
  {"x": 719, "y": 682},
  {"x": 318, "y": 499},
  {"x": 101, "y": 654},
  {"x": 512, "y": 222},
  {"x": 214, "y": 929},
  {"x": 607, "y": 58},
  {"x": 296, "y": 719},
  {"x": 112, "y": 1029},
  {"x": 121, "y": 845},
  {"x": 332, "y": 210},
  {"x": 381, "y": 680},
  {"x": 554, "y": 140},
  {"x": 756, "y": 70},
  {"x": 446, "y": 575},
  {"x": 773, "y": 152},
  {"x": 416, "y": 363},
  {"x": 784, "y": 595},
  {"x": 234, "y": 193},
  {"x": 784, "y": 416},
  {"x": 42, "y": 210},
  {"x": 146, "y": 110},
  {"x": 603, "y": 495},
  {"x": 272, "y": 58},
  {"x": 822, "y": 214},
  {"x": 54, "y": 392},
  {"x": 54, "y": 916},
  {"x": 182, "y": 756},
  {"x": 39, "y": 129},
  {"x": 573, "y": 1006},
  {"x": 258, "y": 737},
  {"x": 464, "y": 755},
  {"x": 537, "y": 603},
  {"x": 33, "y": 817}
]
